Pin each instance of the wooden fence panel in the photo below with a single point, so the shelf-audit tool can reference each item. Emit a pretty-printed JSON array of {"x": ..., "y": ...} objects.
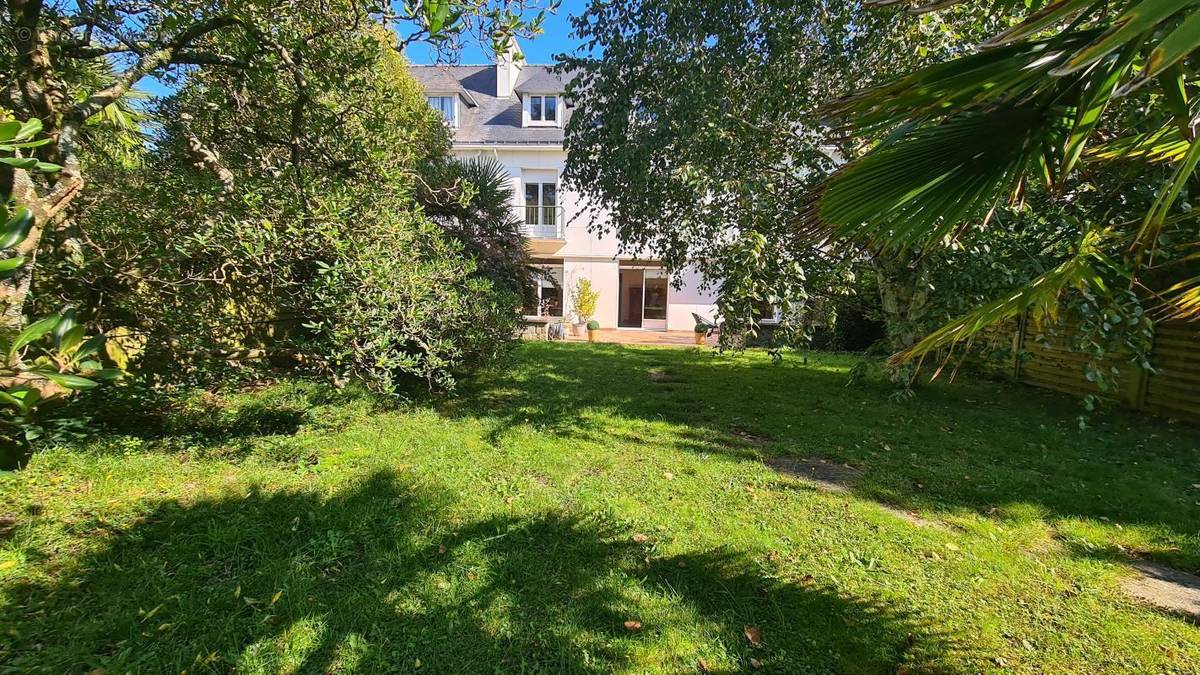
[
  {"x": 1050, "y": 363},
  {"x": 1174, "y": 389}
]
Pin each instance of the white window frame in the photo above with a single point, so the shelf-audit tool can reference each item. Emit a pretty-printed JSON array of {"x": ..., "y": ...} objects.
[
  {"x": 527, "y": 110},
  {"x": 454, "y": 108}
]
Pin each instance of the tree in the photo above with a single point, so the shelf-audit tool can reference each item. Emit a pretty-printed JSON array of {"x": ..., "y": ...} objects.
[
  {"x": 698, "y": 125},
  {"x": 472, "y": 201},
  {"x": 1045, "y": 108},
  {"x": 307, "y": 243},
  {"x": 167, "y": 38}
]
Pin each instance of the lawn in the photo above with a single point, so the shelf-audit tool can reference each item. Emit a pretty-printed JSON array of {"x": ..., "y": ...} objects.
[{"x": 604, "y": 508}]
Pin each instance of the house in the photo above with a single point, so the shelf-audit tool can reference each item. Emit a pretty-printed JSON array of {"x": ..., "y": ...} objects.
[{"x": 515, "y": 112}]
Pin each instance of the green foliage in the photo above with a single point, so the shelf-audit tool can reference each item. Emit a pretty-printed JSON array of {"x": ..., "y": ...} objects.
[
  {"x": 699, "y": 126},
  {"x": 593, "y": 325},
  {"x": 472, "y": 201},
  {"x": 49, "y": 359},
  {"x": 380, "y": 322},
  {"x": 1018, "y": 117},
  {"x": 319, "y": 251},
  {"x": 702, "y": 328}
]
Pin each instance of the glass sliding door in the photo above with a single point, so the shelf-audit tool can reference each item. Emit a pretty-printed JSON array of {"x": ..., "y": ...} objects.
[
  {"x": 642, "y": 302},
  {"x": 654, "y": 306},
  {"x": 630, "y": 315}
]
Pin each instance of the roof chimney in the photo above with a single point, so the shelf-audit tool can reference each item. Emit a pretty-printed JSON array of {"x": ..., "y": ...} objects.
[{"x": 508, "y": 69}]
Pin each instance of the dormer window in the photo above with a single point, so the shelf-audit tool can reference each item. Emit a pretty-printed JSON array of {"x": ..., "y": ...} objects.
[
  {"x": 541, "y": 110},
  {"x": 447, "y": 105}
]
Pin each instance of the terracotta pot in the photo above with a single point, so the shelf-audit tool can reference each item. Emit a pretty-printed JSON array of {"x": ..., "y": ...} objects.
[
  {"x": 592, "y": 335},
  {"x": 578, "y": 329},
  {"x": 701, "y": 339}
]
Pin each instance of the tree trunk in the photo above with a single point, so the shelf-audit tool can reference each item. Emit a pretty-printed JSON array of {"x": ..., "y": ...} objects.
[{"x": 904, "y": 300}]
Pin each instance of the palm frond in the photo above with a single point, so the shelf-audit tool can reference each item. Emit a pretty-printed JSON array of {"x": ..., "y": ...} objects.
[
  {"x": 917, "y": 189},
  {"x": 1165, "y": 144},
  {"x": 1183, "y": 300},
  {"x": 1167, "y": 196},
  {"x": 996, "y": 77}
]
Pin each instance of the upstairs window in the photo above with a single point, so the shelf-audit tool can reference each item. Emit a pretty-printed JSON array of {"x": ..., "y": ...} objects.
[
  {"x": 543, "y": 109},
  {"x": 447, "y": 106},
  {"x": 541, "y": 210}
]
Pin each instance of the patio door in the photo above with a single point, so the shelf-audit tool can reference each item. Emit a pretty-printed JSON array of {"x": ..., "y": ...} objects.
[
  {"x": 643, "y": 299},
  {"x": 629, "y": 313},
  {"x": 654, "y": 302}
]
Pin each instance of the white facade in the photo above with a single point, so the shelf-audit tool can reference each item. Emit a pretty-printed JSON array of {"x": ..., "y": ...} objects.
[{"x": 514, "y": 113}]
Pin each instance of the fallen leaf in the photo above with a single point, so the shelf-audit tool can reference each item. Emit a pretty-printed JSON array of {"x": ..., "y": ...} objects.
[
  {"x": 951, "y": 547},
  {"x": 640, "y": 538},
  {"x": 633, "y": 625},
  {"x": 682, "y": 563},
  {"x": 755, "y": 663},
  {"x": 808, "y": 579},
  {"x": 472, "y": 576},
  {"x": 702, "y": 665},
  {"x": 441, "y": 549},
  {"x": 753, "y": 634},
  {"x": 417, "y": 663},
  {"x": 275, "y": 598},
  {"x": 669, "y": 476}
]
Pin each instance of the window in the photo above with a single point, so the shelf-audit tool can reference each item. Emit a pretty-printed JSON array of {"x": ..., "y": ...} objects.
[
  {"x": 445, "y": 105},
  {"x": 545, "y": 297},
  {"x": 541, "y": 208},
  {"x": 766, "y": 312},
  {"x": 543, "y": 108}
]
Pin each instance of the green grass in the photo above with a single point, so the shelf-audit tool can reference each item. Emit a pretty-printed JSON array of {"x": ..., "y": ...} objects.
[{"x": 518, "y": 526}]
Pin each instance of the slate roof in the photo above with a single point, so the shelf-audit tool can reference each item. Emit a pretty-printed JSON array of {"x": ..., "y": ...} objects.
[{"x": 486, "y": 119}]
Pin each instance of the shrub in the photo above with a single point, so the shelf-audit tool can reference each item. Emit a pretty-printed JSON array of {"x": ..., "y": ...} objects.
[
  {"x": 593, "y": 325},
  {"x": 584, "y": 299},
  {"x": 429, "y": 318},
  {"x": 702, "y": 328}
]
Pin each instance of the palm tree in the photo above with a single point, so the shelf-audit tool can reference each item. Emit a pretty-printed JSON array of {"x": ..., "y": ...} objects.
[{"x": 1033, "y": 103}]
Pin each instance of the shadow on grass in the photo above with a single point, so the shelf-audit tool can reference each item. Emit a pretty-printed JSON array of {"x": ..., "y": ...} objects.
[
  {"x": 988, "y": 447},
  {"x": 229, "y": 424},
  {"x": 378, "y": 577}
]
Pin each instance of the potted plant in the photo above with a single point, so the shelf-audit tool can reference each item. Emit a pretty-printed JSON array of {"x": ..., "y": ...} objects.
[
  {"x": 592, "y": 327},
  {"x": 702, "y": 333},
  {"x": 583, "y": 299}
]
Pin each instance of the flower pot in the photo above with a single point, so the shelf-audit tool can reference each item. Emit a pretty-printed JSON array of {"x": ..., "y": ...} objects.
[
  {"x": 592, "y": 335},
  {"x": 578, "y": 329},
  {"x": 701, "y": 339}
]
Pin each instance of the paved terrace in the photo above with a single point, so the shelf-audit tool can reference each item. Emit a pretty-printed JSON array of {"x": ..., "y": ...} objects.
[{"x": 674, "y": 338}]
